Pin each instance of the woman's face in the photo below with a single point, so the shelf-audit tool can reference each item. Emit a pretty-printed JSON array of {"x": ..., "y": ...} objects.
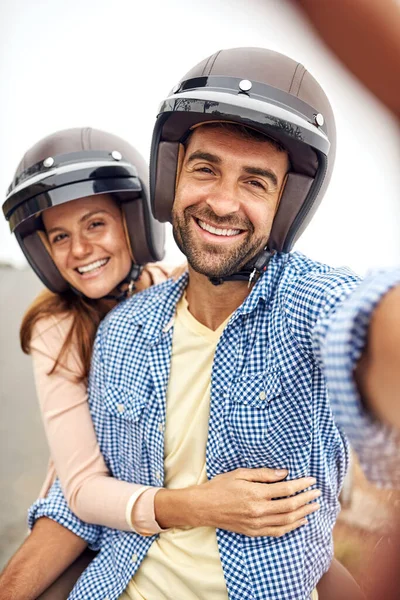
[{"x": 88, "y": 244}]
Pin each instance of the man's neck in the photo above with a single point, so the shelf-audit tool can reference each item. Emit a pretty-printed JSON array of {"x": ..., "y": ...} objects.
[{"x": 212, "y": 304}]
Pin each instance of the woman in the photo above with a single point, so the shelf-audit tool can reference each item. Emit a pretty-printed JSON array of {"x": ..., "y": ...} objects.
[{"x": 78, "y": 206}]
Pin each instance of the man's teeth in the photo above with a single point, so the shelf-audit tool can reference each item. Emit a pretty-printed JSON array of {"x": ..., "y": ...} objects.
[
  {"x": 217, "y": 231},
  {"x": 94, "y": 265}
]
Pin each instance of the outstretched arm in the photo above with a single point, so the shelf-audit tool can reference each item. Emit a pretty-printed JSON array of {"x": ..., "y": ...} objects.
[
  {"x": 364, "y": 34},
  {"x": 378, "y": 370}
]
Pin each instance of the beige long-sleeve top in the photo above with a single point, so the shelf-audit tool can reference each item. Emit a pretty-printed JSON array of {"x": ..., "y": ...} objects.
[{"x": 92, "y": 494}]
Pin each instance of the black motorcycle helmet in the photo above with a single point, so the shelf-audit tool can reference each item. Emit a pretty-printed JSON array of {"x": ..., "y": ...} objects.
[
  {"x": 72, "y": 164},
  {"x": 265, "y": 91}
]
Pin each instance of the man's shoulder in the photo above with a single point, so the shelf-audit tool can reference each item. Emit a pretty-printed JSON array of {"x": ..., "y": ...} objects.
[
  {"x": 297, "y": 281},
  {"x": 305, "y": 285},
  {"x": 304, "y": 271}
]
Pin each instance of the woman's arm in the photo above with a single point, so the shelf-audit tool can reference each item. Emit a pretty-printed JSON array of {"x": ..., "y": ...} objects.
[{"x": 92, "y": 494}]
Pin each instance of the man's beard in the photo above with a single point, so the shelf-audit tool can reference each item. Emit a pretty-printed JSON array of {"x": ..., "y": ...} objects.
[{"x": 214, "y": 260}]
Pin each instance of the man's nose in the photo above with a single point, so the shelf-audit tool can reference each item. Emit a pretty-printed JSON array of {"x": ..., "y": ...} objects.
[
  {"x": 80, "y": 246},
  {"x": 223, "y": 199}
]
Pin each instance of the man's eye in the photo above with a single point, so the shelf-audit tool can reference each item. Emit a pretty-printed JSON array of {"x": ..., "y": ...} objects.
[
  {"x": 204, "y": 170},
  {"x": 96, "y": 224},
  {"x": 256, "y": 183}
]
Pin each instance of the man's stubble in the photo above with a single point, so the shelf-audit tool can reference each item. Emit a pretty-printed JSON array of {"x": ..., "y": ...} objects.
[{"x": 213, "y": 260}]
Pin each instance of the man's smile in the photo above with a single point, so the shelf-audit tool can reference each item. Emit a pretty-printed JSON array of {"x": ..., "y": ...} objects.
[{"x": 219, "y": 233}]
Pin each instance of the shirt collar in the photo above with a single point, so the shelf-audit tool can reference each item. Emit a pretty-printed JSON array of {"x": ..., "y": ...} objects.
[
  {"x": 265, "y": 286},
  {"x": 154, "y": 309}
]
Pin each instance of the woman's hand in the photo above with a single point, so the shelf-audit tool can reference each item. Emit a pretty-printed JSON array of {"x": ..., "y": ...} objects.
[
  {"x": 243, "y": 501},
  {"x": 155, "y": 273}
]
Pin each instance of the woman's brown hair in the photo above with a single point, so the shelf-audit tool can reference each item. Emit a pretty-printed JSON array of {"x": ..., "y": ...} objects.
[{"x": 86, "y": 316}]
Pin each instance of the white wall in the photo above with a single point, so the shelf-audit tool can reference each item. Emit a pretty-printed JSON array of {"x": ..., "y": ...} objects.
[{"x": 109, "y": 64}]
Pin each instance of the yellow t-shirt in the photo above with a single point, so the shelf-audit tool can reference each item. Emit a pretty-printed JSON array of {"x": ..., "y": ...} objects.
[{"x": 184, "y": 564}]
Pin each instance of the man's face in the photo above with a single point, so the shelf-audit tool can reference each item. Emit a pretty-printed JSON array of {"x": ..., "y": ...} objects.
[{"x": 226, "y": 199}]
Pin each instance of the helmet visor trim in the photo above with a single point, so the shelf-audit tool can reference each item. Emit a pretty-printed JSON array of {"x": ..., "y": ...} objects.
[
  {"x": 260, "y": 91},
  {"x": 66, "y": 175},
  {"x": 127, "y": 188},
  {"x": 257, "y": 113}
]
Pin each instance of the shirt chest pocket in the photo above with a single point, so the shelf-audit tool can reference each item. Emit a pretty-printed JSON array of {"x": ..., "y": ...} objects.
[
  {"x": 124, "y": 430},
  {"x": 270, "y": 426}
]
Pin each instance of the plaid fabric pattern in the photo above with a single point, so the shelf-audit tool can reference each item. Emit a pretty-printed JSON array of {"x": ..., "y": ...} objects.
[{"x": 297, "y": 334}]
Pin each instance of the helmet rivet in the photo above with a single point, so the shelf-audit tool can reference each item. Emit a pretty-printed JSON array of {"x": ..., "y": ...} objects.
[
  {"x": 116, "y": 155},
  {"x": 48, "y": 162},
  {"x": 319, "y": 119},
  {"x": 245, "y": 85},
  {"x": 176, "y": 88}
]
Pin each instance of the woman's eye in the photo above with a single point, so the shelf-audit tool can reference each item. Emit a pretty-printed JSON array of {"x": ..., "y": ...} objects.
[{"x": 58, "y": 238}]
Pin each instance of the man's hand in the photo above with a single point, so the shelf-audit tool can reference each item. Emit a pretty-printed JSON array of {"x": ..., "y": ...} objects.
[
  {"x": 243, "y": 501},
  {"x": 44, "y": 555}
]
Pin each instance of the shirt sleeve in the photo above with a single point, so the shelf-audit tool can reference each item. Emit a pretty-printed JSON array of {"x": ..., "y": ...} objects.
[
  {"x": 339, "y": 337},
  {"x": 92, "y": 494},
  {"x": 55, "y": 507},
  {"x": 143, "y": 514}
]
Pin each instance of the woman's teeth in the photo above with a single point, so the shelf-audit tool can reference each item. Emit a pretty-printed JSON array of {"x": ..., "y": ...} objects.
[
  {"x": 94, "y": 265},
  {"x": 217, "y": 231}
]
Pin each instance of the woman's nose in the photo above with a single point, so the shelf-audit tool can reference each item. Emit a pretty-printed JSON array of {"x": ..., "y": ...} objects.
[{"x": 80, "y": 246}]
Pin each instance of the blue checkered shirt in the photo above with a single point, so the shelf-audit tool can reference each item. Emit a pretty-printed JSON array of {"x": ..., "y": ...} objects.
[{"x": 282, "y": 395}]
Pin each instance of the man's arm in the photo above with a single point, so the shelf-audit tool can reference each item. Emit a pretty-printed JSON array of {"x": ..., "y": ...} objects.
[
  {"x": 378, "y": 370},
  {"x": 44, "y": 555},
  {"x": 355, "y": 339},
  {"x": 49, "y": 549},
  {"x": 364, "y": 34}
]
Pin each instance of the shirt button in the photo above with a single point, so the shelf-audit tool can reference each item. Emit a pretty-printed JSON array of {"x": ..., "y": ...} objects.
[
  {"x": 134, "y": 558},
  {"x": 161, "y": 427},
  {"x": 158, "y": 475},
  {"x": 262, "y": 396},
  {"x": 120, "y": 408}
]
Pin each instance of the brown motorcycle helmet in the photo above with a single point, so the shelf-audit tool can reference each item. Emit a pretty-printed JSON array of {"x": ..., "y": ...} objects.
[
  {"x": 72, "y": 164},
  {"x": 265, "y": 91}
]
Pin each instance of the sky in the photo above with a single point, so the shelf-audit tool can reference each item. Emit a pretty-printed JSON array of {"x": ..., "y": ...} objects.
[{"x": 109, "y": 65}]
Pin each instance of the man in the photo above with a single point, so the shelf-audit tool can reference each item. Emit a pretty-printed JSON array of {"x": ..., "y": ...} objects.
[{"x": 230, "y": 367}]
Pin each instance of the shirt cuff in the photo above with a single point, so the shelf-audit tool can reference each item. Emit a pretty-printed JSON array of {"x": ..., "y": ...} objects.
[{"x": 140, "y": 514}]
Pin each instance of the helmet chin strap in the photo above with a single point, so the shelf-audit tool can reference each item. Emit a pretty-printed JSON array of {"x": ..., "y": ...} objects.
[
  {"x": 130, "y": 279},
  {"x": 250, "y": 271}
]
